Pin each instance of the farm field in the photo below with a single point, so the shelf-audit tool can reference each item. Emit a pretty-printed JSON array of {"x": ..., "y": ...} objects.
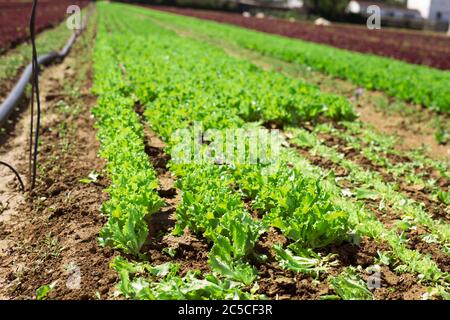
[
  {"x": 371, "y": 72},
  {"x": 14, "y": 18},
  {"x": 409, "y": 46},
  {"x": 185, "y": 159},
  {"x": 14, "y": 60}
]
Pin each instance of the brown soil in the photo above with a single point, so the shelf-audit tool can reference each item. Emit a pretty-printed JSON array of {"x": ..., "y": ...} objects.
[
  {"x": 53, "y": 236},
  {"x": 389, "y": 217},
  {"x": 414, "y": 131},
  {"x": 415, "y": 242},
  {"x": 394, "y": 286},
  {"x": 362, "y": 254},
  {"x": 10, "y": 197},
  {"x": 280, "y": 284},
  {"x": 398, "y": 287},
  {"x": 190, "y": 251},
  {"x": 414, "y": 125},
  {"x": 416, "y": 193}
]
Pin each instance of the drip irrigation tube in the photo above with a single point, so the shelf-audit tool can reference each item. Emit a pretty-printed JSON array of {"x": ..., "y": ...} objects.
[
  {"x": 10, "y": 167},
  {"x": 13, "y": 99}
]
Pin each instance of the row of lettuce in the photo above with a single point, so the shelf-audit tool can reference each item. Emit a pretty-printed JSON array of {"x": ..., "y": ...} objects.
[
  {"x": 182, "y": 82},
  {"x": 132, "y": 193},
  {"x": 371, "y": 186},
  {"x": 387, "y": 192},
  {"x": 418, "y": 84}
]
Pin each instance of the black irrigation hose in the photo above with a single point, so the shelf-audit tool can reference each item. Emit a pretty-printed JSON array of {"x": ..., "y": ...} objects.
[
  {"x": 30, "y": 74},
  {"x": 16, "y": 94},
  {"x": 22, "y": 186},
  {"x": 35, "y": 90},
  {"x": 14, "y": 97}
]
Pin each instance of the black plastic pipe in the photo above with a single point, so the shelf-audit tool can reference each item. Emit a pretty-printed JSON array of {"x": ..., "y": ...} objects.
[{"x": 13, "y": 99}]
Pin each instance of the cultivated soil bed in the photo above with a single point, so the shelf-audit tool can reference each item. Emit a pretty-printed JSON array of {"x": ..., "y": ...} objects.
[{"x": 49, "y": 236}]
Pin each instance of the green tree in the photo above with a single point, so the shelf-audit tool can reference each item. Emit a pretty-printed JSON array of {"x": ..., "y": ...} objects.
[{"x": 331, "y": 9}]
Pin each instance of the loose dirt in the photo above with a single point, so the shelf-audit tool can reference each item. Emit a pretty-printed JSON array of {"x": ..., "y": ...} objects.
[
  {"x": 420, "y": 194},
  {"x": 51, "y": 237},
  {"x": 188, "y": 250},
  {"x": 388, "y": 218}
]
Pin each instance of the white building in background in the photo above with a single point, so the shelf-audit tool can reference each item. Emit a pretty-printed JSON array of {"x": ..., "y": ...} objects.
[
  {"x": 435, "y": 11},
  {"x": 295, "y": 4},
  {"x": 275, "y": 4},
  {"x": 386, "y": 11}
]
